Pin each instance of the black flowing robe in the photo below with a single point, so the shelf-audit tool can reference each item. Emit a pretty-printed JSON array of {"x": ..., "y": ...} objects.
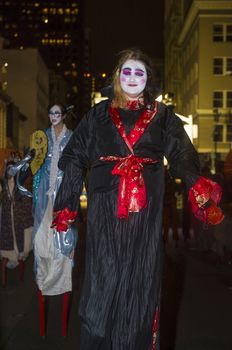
[{"x": 121, "y": 290}]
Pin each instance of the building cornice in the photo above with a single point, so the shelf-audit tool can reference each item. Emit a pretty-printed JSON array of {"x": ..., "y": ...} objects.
[{"x": 202, "y": 5}]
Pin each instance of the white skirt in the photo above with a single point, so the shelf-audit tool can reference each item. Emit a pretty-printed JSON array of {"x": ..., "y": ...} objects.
[{"x": 53, "y": 269}]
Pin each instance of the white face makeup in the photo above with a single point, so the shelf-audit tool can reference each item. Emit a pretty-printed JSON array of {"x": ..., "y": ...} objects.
[
  {"x": 133, "y": 78},
  {"x": 55, "y": 115}
]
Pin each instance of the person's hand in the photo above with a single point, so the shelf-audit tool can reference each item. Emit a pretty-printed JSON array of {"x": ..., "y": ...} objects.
[{"x": 63, "y": 219}]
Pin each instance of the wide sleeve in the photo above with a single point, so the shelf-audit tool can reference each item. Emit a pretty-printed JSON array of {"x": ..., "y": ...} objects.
[
  {"x": 204, "y": 195},
  {"x": 74, "y": 163}
]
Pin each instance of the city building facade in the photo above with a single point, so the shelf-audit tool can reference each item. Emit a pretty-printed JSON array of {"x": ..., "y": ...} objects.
[
  {"x": 27, "y": 85},
  {"x": 55, "y": 28},
  {"x": 198, "y": 70}
]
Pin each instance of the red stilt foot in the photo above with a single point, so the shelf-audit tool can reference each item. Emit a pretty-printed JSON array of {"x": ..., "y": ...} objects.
[
  {"x": 65, "y": 314},
  {"x": 21, "y": 269},
  {"x": 4, "y": 271},
  {"x": 41, "y": 314}
]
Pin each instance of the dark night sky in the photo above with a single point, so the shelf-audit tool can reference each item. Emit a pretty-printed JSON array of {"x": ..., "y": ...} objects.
[{"x": 117, "y": 25}]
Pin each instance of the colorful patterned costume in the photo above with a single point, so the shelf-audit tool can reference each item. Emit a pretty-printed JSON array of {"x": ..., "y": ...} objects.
[{"x": 53, "y": 266}]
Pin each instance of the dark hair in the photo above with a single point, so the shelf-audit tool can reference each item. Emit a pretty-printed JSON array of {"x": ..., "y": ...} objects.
[
  {"x": 62, "y": 107},
  {"x": 138, "y": 55},
  {"x": 9, "y": 163}
]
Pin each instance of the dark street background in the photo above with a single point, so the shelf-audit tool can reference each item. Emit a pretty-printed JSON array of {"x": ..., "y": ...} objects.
[{"x": 195, "y": 314}]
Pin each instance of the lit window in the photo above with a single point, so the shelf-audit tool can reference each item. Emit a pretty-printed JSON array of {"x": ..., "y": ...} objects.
[
  {"x": 67, "y": 11},
  {"x": 74, "y": 11},
  {"x": 222, "y": 65},
  {"x": 52, "y": 11},
  {"x": 218, "y": 99},
  {"x": 60, "y": 11},
  {"x": 36, "y": 4},
  {"x": 229, "y": 65},
  {"x": 218, "y": 133},
  {"x": 229, "y": 133},
  {"x": 218, "y": 32},
  {"x": 229, "y": 32},
  {"x": 222, "y": 32},
  {"x": 228, "y": 99},
  {"x": 222, "y": 99},
  {"x": 67, "y": 19},
  {"x": 45, "y": 11},
  {"x": 218, "y": 66}
]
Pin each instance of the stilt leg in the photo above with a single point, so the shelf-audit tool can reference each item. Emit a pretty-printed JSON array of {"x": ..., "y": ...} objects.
[
  {"x": 4, "y": 271},
  {"x": 65, "y": 314},
  {"x": 21, "y": 269},
  {"x": 41, "y": 314}
]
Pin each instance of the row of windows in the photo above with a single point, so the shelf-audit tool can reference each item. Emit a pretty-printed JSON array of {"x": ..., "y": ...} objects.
[
  {"x": 65, "y": 42},
  {"x": 222, "y": 133},
  {"x": 60, "y": 11},
  {"x": 222, "y": 32},
  {"x": 222, "y": 99},
  {"x": 222, "y": 65}
]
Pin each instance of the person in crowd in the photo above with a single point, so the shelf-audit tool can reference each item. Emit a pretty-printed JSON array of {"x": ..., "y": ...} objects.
[
  {"x": 170, "y": 213},
  {"x": 53, "y": 265},
  {"x": 122, "y": 141},
  {"x": 16, "y": 222}
]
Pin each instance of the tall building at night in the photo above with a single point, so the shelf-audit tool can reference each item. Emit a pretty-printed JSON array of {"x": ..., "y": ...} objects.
[
  {"x": 55, "y": 28},
  {"x": 198, "y": 70}
]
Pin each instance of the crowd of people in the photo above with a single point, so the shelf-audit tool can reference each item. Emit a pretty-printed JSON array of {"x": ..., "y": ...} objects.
[
  {"x": 179, "y": 223},
  {"x": 121, "y": 143}
]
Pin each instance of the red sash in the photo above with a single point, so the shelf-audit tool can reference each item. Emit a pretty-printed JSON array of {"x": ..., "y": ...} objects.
[{"x": 132, "y": 191}]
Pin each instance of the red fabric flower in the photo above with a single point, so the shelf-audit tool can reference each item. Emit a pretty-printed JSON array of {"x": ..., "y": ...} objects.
[
  {"x": 205, "y": 192},
  {"x": 63, "y": 218}
]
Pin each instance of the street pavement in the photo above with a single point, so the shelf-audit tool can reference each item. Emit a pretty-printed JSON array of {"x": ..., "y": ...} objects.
[{"x": 196, "y": 308}]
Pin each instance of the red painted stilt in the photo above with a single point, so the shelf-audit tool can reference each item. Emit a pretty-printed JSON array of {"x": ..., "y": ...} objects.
[
  {"x": 65, "y": 314},
  {"x": 41, "y": 314}
]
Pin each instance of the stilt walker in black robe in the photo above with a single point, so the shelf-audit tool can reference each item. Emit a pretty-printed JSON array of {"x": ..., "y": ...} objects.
[{"x": 122, "y": 141}]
